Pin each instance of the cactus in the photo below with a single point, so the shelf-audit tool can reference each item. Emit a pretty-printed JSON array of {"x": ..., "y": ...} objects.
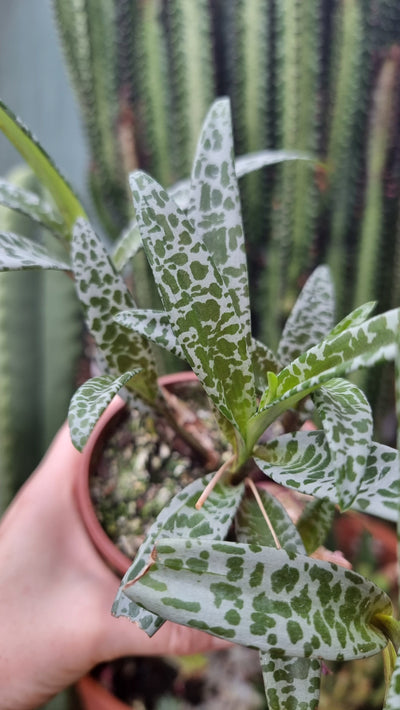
[{"x": 40, "y": 343}]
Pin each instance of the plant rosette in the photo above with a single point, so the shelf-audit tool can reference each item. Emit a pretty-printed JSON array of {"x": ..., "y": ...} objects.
[{"x": 257, "y": 587}]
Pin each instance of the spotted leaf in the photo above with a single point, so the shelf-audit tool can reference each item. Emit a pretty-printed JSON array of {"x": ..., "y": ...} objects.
[
  {"x": 195, "y": 297},
  {"x": 103, "y": 293},
  {"x": 360, "y": 346},
  {"x": 264, "y": 598},
  {"x": 302, "y": 461},
  {"x": 154, "y": 325},
  {"x": 287, "y": 681},
  {"x": 311, "y": 318},
  {"x": 214, "y": 207},
  {"x": 291, "y": 682},
  {"x": 356, "y": 317},
  {"x": 347, "y": 421},
  {"x": 89, "y": 402},
  {"x": 31, "y": 205},
  {"x": 18, "y": 252},
  {"x": 180, "y": 516}
]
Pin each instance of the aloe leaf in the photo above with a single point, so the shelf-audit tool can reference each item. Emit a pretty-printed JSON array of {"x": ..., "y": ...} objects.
[
  {"x": 311, "y": 318},
  {"x": 154, "y": 325},
  {"x": 89, "y": 402},
  {"x": 18, "y": 253},
  {"x": 346, "y": 418},
  {"x": 215, "y": 209},
  {"x": 67, "y": 203},
  {"x": 251, "y": 526},
  {"x": 30, "y": 204},
  {"x": 315, "y": 522},
  {"x": 264, "y": 598},
  {"x": 195, "y": 297},
  {"x": 103, "y": 293},
  {"x": 180, "y": 516},
  {"x": 302, "y": 461},
  {"x": 291, "y": 682},
  {"x": 356, "y": 317}
]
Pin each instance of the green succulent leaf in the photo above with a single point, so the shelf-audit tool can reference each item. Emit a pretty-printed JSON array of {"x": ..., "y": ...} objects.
[
  {"x": 180, "y": 517},
  {"x": 315, "y": 522},
  {"x": 250, "y": 162},
  {"x": 154, "y": 325},
  {"x": 302, "y": 461},
  {"x": 127, "y": 246},
  {"x": 311, "y": 318},
  {"x": 264, "y": 361},
  {"x": 215, "y": 209},
  {"x": 30, "y": 204},
  {"x": 346, "y": 417},
  {"x": 264, "y": 598},
  {"x": 251, "y": 526},
  {"x": 291, "y": 682},
  {"x": 393, "y": 691},
  {"x": 356, "y": 317},
  {"x": 103, "y": 294},
  {"x": 362, "y": 345},
  {"x": 287, "y": 681},
  {"x": 63, "y": 196},
  {"x": 196, "y": 300},
  {"x": 90, "y": 401},
  {"x": 18, "y": 253}
]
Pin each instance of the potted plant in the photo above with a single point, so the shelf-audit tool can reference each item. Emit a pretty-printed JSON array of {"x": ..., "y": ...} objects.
[{"x": 223, "y": 555}]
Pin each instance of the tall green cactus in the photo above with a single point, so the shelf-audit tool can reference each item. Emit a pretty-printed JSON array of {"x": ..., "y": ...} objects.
[
  {"x": 301, "y": 75},
  {"x": 40, "y": 343}
]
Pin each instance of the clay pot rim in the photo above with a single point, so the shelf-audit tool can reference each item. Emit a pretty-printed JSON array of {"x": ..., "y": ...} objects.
[{"x": 106, "y": 548}]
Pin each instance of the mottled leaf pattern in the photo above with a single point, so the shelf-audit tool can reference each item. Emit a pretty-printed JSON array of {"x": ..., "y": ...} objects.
[
  {"x": 259, "y": 596},
  {"x": 194, "y": 296},
  {"x": 103, "y": 293},
  {"x": 154, "y": 325},
  {"x": 356, "y": 317},
  {"x": 214, "y": 207},
  {"x": 393, "y": 693},
  {"x": 347, "y": 421},
  {"x": 89, "y": 402},
  {"x": 31, "y": 205},
  {"x": 291, "y": 683},
  {"x": 311, "y": 318},
  {"x": 361, "y": 345},
  {"x": 302, "y": 460},
  {"x": 180, "y": 516},
  {"x": 127, "y": 246},
  {"x": 18, "y": 252},
  {"x": 287, "y": 681}
]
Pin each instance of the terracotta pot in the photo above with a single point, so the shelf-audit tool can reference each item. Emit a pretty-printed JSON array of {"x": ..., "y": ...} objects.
[
  {"x": 92, "y": 695},
  {"x": 109, "y": 552}
]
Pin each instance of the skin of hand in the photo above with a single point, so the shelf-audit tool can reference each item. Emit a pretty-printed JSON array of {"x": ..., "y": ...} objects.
[{"x": 56, "y": 593}]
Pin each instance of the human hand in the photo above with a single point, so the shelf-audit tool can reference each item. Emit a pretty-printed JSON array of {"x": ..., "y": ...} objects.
[{"x": 56, "y": 593}]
